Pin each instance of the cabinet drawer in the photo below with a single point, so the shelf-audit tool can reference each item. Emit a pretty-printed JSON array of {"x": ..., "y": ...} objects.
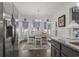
[
  {"x": 69, "y": 51},
  {"x": 55, "y": 44}
]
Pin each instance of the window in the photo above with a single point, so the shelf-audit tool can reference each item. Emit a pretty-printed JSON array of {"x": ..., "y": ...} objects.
[
  {"x": 45, "y": 25},
  {"x": 49, "y": 26},
  {"x": 25, "y": 24},
  {"x": 36, "y": 24}
]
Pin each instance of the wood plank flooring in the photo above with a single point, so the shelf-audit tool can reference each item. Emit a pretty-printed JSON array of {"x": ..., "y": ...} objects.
[{"x": 33, "y": 53}]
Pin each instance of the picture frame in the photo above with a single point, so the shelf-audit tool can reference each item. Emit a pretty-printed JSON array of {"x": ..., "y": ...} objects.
[{"x": 61, "y": 21}]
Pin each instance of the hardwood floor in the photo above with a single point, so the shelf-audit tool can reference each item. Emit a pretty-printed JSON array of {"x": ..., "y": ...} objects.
[
  {"x": 33, "y": 53},
  {"x": 38, "y": 53}
]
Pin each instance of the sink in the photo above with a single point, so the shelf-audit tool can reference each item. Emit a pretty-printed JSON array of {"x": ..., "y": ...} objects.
[{"x": 75, "y": 43}]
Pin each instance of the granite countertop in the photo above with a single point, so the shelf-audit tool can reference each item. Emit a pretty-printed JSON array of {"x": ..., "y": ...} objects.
[{"x": 66, "y": 41}]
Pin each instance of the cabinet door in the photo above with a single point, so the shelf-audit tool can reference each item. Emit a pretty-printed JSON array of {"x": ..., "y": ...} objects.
[
  {"x": 69, "y": 51},
  {"x": 8, "y": 8},
  {"x": 55, "y": 44},
  {"x": 62, "y": 55},
  {"x": 52, "y": 51},
  {"x": 55, "y": 52}
]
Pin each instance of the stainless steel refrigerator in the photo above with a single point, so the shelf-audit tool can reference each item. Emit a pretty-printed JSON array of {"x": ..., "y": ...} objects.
[{"x": 10, "y": 42}]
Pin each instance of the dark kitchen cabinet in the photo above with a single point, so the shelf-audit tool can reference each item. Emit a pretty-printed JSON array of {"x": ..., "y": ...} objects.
[
  {"x": 55, "y": 52},
  {"x": 55, "y": 49},
  {"x": 62, "y": 50},
  {"x": 52, "y": 51},
  {"x": 9, "y": 9},
  {"x": 74, "y": 14},
  {"x": 68, "y": 51},
  {"x": 63, "y": 55}
]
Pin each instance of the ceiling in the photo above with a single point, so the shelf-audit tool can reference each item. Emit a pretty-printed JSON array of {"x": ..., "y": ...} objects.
[{"x": 39, "y": 9}]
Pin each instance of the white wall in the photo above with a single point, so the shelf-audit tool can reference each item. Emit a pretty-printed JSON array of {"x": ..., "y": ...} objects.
[{"x": 63, "y": 32}]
